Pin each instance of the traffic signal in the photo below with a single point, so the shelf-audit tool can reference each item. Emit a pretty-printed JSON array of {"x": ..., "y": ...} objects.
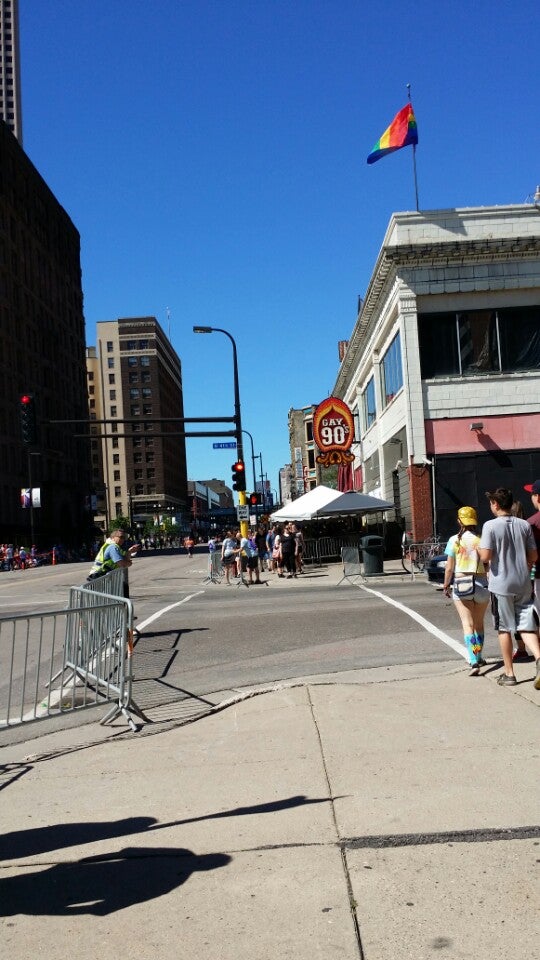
[
  {"x": 28, "y": 419},
  {"x": 255, "y": 499},
  {"x": 239, "y": 475}
]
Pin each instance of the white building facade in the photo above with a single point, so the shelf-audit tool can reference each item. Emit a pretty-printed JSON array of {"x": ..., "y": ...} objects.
[{"x": 442, "y": 370}]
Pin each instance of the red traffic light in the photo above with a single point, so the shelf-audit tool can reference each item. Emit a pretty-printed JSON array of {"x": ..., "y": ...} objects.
[
  {"x": 27, "y": 411},
  {"x": 239, "y": 475}
]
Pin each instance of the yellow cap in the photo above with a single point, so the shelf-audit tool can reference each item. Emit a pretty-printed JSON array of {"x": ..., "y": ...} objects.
[{"x": 467, "y": 516}]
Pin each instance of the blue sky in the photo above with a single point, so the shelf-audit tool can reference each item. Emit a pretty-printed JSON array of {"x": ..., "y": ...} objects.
[{"x": 212, "y": 154}]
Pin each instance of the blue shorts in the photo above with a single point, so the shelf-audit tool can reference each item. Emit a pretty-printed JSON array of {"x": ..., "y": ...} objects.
[{"x": 513, "y": 614}]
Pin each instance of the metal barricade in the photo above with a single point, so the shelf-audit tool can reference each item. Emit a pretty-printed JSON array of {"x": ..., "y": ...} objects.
[
  {"x": 415, "y": 556},
  {"x": 328, "y": 548},
  {"x": 352, "y": 564},
  {"x": 215, "y": 568},
  {"x": 60, "y": 661}
]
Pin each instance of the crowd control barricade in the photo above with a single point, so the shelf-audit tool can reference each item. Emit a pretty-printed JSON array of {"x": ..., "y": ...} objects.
[
  {"x": 352, "y": 565},
  {"x": 215, "y": 568},
  {"x": 327, "y": 548},
  {"x": 60, "y": 661}
]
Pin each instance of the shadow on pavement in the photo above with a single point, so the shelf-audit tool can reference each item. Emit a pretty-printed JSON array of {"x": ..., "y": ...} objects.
[
  {"x": 31, "y": 843},
  {"x": 102, "y": 885}
]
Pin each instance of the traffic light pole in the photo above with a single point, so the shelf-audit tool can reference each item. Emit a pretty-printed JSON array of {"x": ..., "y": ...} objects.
[{"x": 242, "y": 499}]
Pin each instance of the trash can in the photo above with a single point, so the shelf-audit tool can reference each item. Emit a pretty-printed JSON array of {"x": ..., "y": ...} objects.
[{"x": 372, "y": 555}]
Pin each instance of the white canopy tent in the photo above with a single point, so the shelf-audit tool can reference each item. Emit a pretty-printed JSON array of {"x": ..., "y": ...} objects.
[
  {"x": 352, "y": 504},
  {"x": 306, "y": 506},
  {"x": 324, "y": 502}
]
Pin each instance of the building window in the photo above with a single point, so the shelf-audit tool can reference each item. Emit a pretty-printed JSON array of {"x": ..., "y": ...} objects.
[
  {"x": 136, "y": 427},
  {"x": 311, "y": 459},
  {"x": 118, "y": 493},
  {"x": 145, "y": 376},
  {"x": 145, "y": 361},
  {"x": 137, "y": 442},
  {"x": 149, "y": 442},
  {"x": 151, "y": 473},
  {"x": 109, "y": 346},
  {"x": 111, "y": 378},
  {"x": 118, "y": 506},
  {"x": 479, "y": 342},
  {"x": 146, "y": 393},
  {"x": 135, "y": 410},
  {"x": 131, "y": 345},
  {"x": 134, "y": 393},
  {"x": 92, "y": 404},
  {"x": 143, "y": 344},
  {"x": 116, "y": 477},
  {"x": 91, "y": 391},
  {"x": 309, "y": 431},
  {"x": 90, "y": 375},
  {"x": 113, "y": 411},
  {"x": 147, "y": 409},
  {"x": 112, "y": 394},
  {"x": 139, "y": 490},
  {"x": 137, "y": 458},
  {"x": 132, "y": 362},
  {"x": 368, "y": 404},
  {"x": 138, "y": 474},
  {"x": 110, "y": 363},
  {"x": 116, "y": 459},
  {"x": 150, "y": 457},
  {"x": 134, "y": 377},
  {"x": 148, "y": 427},
  {"x": 391, "y": 370},
  {"x": 115, "y": 443}
]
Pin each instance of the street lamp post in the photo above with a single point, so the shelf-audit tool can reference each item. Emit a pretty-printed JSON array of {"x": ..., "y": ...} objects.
[
  {"x": 252, "y": 459},
  {"x": 242, "y": 499}
]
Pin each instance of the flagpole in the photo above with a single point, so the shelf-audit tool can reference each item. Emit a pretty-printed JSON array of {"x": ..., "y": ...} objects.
[{"x": 414, "y": 158}]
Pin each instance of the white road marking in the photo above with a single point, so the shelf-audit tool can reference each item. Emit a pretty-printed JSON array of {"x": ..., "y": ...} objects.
[
  {"x": 159, "y": 613},
  {"x": 430, "y": 627}
]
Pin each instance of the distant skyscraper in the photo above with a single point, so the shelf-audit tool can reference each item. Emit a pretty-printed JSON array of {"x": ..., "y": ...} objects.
[{"x": 10, "y": 78}]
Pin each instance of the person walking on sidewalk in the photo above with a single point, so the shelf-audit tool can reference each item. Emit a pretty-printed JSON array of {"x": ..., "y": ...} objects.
[
  {"x": 507, "y": 544},
  {"x": 464, "y": 566}
]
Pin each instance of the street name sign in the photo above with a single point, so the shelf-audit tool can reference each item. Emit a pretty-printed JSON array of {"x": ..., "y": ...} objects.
[{"x": 224, "y": 446}]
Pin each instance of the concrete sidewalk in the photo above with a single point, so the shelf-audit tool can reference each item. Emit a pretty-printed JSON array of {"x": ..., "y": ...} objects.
[{"x": 385, "y": 814}]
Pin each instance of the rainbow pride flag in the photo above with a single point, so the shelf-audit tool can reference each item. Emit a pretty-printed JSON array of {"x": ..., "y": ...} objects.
[{"x": 401, "y": 132}]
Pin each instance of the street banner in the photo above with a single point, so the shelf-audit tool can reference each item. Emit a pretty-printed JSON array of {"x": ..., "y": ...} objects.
[{"x": 30, "y": 497}]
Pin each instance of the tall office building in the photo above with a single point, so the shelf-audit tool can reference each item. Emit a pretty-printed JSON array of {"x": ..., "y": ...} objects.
[
  {"x": 134, "y": 379},
  {"x": 10, "y": 75},
  {"x": 42, "y": 351}
]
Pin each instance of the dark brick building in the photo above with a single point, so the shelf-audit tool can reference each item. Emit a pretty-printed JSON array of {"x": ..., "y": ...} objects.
[{"x": 42, "y": 351}]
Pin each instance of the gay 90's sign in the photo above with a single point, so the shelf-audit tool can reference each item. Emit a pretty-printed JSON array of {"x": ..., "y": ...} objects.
[{"x": 333, "y": 432}]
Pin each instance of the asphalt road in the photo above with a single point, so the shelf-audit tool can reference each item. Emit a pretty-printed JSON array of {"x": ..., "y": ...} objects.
[{"x": 198, "y": 637}]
